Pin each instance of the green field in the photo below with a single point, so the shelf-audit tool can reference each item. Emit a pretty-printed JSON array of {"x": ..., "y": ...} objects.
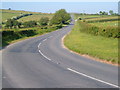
[
  {"x": 100, "y": 47},
  {"x": 7, "y": 14},
  {"x": 86, "y": 16},
  {"x": 35, "y": 17},
  {"x": 104, "y": 24}
]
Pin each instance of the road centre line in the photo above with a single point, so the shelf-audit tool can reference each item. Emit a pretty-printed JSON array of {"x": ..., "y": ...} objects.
[
  {"x": 44, "y": 39},
  {"x": 50, "y": 36},
  {"x": 39, "y": 45},
  {"x": 93, "y": 78},
  {"x": 44, "y": 55}
]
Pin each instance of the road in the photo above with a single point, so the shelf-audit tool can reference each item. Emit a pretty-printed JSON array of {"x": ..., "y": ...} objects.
[{"x": 42, "y": 62}]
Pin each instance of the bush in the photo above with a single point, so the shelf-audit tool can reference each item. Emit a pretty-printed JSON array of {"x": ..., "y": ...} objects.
[
  {"x": 11, "y": 23},
  {"x": 30, "y": 24},
  {"x": 44, "y": 21}
]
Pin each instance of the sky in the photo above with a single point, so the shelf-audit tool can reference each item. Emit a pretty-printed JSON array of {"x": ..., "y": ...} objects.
[
  {"x": 59, "y": 0},
  {"x": 51, "y": 7}
]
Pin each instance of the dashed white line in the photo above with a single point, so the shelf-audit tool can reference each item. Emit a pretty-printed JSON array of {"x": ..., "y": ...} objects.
[
  {"x": 93, "y": 78},
  {"x": 50, "y": 36},
  {"x": 44, "y": 39},
  {"x": 44, "y": 56}
]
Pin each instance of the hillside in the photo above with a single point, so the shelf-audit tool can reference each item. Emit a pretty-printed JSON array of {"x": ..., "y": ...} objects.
[{"x": 7, "y": 14}]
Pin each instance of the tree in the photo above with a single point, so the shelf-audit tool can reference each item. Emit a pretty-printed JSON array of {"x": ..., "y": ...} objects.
[
  {"x": 44, "y": 21},
  {"x": 9, "y": 8},
  {"x": 111, "y": 12},
  {"x": 103, "y": 13},
  {"x": 100, "y": 12},
  {"x": 29, "y": 24},
  {"x": 60, "y": 17}
]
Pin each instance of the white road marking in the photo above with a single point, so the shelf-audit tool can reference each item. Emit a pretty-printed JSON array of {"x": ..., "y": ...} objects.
[
  {"x": 4, "y": 77},
  {"x": 93, "y": 78},
  {"x": 39, "y": 45},
  {"x": 50, "y": 36},
  {"x": 44, "y": 39},
  {"x": 44, "y": 55}
]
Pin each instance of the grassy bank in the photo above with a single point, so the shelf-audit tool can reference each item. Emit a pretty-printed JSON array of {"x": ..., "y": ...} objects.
[{"x": 96, "y": 46}]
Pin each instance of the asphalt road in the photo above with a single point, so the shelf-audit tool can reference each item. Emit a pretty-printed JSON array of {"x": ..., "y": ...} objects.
[{"x": 42, "y": 62}]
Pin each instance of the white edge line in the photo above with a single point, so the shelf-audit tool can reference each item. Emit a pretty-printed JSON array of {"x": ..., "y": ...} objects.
[
  {"x": 92, "y": 78},
  {"x": 44, "y": 55}
]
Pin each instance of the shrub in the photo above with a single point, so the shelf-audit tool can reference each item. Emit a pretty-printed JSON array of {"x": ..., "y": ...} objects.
[
  {"x": 44, "y": 21},
  {"x": 11, "y": 23},
  {"x": 30, "y": 24}
]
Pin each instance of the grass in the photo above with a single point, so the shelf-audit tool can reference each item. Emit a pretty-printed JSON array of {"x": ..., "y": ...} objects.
[
  {"x": 35, "y": 17},
  {"x": 104, "y": 24},
  {"x": 87, "y": 16},
  {"x": 7, "y": 14},
  {"x": 96, "y": 46}
]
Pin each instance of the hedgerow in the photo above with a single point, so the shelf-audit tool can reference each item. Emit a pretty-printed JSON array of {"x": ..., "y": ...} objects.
[{"x": 108, "y": 31}]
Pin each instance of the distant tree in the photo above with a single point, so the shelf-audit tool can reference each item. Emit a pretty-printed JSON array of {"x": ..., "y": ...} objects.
[
  {"x": 106, "y": 13},
  {"x": 60, "y": 17},
  {"x": 9, "y": 8},
  {"x": 100, "y": 12},
  {"x": 111, "y": 12},
  {"x": 30, "y": 24},
  {"x": 103, "y": 13},
  {"x": 44, "y": 21}
]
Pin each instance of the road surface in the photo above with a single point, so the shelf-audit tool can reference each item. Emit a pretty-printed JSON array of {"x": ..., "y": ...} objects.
[{"x": 42, "y": 62}]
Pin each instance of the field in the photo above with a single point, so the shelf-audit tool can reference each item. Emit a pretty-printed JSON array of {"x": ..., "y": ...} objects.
[
  {"x": 98, "y": 46},
  {"x": 86, "y": 16},
  {"x": 35, "y": 17},
  {"x": 7, "y": 14}
]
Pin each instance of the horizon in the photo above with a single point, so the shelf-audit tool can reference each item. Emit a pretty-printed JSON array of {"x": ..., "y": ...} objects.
[{"x": 71, "y": 7}]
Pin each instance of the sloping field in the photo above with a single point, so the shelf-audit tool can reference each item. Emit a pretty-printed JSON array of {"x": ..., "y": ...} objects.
[
  {"x": 7, "y": 14},
  {"x": 35, "y": 17}
]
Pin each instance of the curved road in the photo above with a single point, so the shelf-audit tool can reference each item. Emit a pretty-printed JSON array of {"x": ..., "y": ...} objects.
[{"x": 42, "y": 62}]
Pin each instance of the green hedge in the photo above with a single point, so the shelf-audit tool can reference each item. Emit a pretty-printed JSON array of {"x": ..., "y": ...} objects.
[
  {"x": 104, "y": 20},
  {"x": 109, "y": 31},
  {"x": 10, "y": 35}
]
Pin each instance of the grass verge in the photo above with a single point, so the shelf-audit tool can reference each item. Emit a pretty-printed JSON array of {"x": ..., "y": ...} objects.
[{"x": 97, "y": 46}]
